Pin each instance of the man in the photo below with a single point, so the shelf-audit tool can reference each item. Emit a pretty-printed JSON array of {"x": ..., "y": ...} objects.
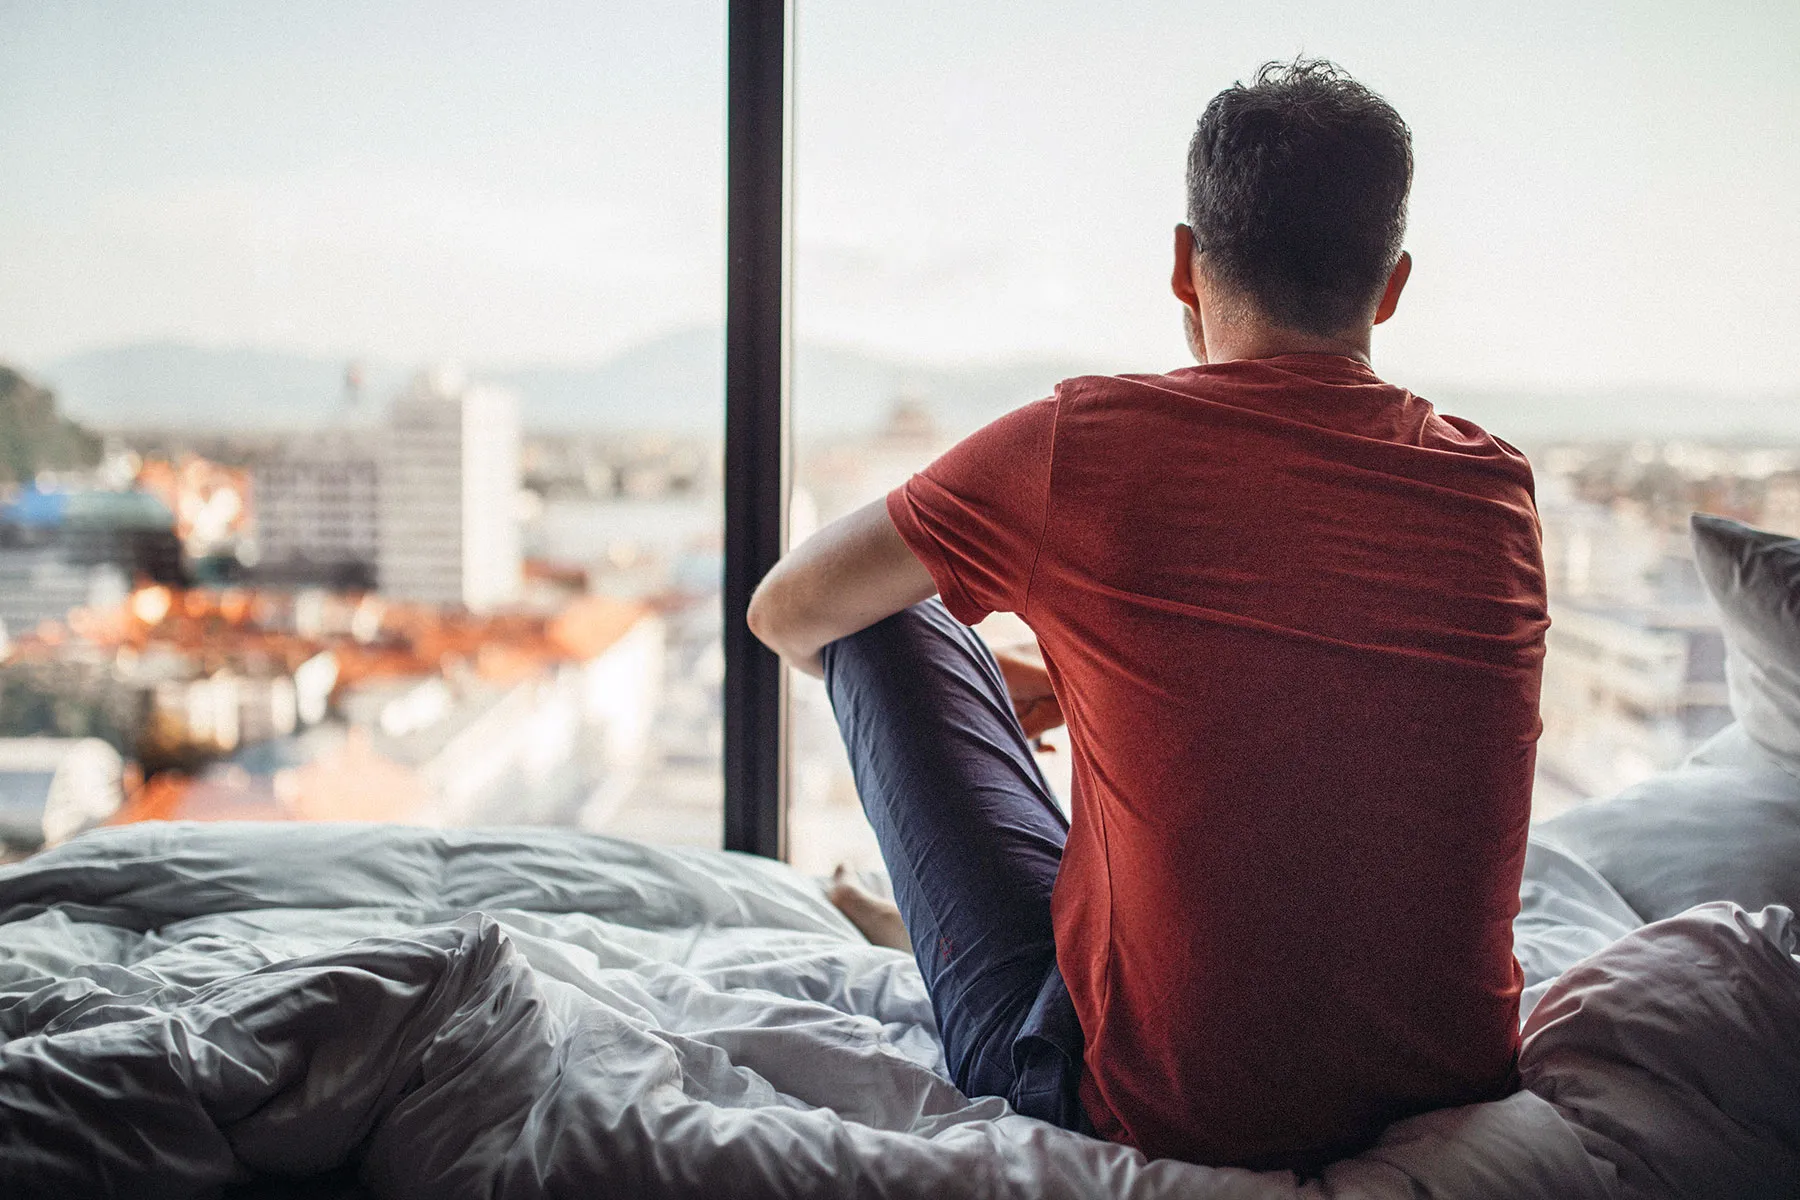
[{"x": 1294, "y": 619}]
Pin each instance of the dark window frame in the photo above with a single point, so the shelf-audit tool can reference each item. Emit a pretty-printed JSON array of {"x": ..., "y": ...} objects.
[{"x": 758, "y": 354}]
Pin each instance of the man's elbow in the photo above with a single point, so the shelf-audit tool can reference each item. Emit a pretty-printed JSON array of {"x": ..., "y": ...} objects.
[
  {"x": 761, "y": 616},
  {"x": 771, "y": 618}
]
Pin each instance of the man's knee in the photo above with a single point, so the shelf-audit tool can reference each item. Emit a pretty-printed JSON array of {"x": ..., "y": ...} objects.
[{"x": 908, "y": 635}]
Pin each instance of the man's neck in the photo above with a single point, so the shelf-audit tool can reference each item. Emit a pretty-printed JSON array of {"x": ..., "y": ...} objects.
[{"x": 1242, "y": 340}]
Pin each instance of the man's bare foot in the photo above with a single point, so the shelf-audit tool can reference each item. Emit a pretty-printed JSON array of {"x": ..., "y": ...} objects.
[{"x": 878, "y": 919}]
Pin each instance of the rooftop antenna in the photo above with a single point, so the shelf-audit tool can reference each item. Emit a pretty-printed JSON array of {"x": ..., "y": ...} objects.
[{"x": 353, "y": 387}]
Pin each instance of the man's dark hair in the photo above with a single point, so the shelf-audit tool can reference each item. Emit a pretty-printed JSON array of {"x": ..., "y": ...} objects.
[{"x": 1297, "y": 190}]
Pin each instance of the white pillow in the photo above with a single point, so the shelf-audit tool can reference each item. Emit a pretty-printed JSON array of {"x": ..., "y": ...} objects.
[{"x": 1754, "y": 576}]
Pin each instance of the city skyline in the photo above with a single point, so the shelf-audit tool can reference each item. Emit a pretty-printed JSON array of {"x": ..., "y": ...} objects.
[{"x": 1599, "y": 204}]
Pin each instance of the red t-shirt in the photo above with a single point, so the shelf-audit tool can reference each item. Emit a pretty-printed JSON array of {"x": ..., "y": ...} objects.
[{"x": 1295, "y": 619}]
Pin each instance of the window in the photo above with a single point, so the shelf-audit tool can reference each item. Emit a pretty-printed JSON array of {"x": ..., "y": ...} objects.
[{"x": 362, "y": 408}]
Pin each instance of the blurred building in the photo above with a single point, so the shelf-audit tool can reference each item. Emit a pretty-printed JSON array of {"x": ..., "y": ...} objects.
[
  {"x": 40, "y": 584},
  {"x": 60, "y": 550},
  {"x": 163, "y": 704},
  {"x": 209, "y": 499},
  {"x": 1634, "y": 664},
  {"x": 448, "y": 719},
  {"x": 448, "y": 529},
  {"x": 130, "y": 529},
  {"x": 1781, "y": 504},
  {"x": 52, "y": 788},
  {"x": 317, "y": 511},
  {"x": 1629, "y": 691},
  {"x": 67, "y": 691}
]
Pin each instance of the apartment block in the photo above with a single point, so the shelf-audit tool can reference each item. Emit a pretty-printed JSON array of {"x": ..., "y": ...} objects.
[
  {"x": 448, "y": 531},
  {"x": 317, "y": 510}
]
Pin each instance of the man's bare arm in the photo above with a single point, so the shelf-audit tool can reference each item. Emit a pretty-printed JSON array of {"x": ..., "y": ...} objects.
[{"x": 849, "y": 575}]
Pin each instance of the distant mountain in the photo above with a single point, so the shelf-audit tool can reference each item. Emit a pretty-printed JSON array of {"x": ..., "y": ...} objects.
[
  {"x": 33, "y": 435},
  {"x": 672, "y": 383},
  {"x": 171, "y": 385},
  {"x": 675, "y": 383}
]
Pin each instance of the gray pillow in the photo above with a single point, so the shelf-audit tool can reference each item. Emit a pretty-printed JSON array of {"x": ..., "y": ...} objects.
[{"x": 1725, "y": 825}]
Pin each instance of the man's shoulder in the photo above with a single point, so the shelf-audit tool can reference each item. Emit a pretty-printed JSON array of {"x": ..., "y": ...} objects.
[
  {"x": 1097, "y": 389},
  {"x": 1178, "y": 379}
]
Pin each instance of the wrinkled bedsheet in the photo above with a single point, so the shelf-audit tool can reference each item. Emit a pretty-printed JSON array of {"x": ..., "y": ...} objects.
[{"x": 522, "y": 1013}]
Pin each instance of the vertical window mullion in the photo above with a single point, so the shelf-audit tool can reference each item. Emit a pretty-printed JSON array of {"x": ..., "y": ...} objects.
[{"x": 759, "y": 104}]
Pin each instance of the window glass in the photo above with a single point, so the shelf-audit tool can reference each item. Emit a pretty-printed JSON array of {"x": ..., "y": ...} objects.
[
  {"x": 1602, "y": 236},
  {"x": 360, "y": 404}
]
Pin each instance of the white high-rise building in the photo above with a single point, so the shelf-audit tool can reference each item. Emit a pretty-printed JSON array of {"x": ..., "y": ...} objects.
[{"x": 449, "y": 530}]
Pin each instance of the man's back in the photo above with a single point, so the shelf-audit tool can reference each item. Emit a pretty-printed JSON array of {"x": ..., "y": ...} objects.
[{"x": 1295, "y": 622}]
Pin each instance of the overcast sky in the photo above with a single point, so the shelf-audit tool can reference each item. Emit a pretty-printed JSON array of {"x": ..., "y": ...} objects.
[{"x": 1607, "y": 193}]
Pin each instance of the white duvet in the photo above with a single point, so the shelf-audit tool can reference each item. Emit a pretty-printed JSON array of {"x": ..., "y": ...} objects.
[{"x": 524, "y": 1013}]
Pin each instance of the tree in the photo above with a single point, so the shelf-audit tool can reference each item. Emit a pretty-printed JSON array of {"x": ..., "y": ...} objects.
[{"x": 33, "y": 437}]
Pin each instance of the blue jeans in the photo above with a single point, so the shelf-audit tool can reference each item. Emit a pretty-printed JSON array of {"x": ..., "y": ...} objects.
[{"x": 972, "y": 840}]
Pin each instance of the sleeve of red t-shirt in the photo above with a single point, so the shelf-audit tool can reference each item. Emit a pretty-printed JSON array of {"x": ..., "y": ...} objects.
[{"x": 975, "y": 517}]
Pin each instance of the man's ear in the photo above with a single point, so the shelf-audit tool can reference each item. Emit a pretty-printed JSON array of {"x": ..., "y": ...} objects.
[
  {"x": 1182, "y": 284},
  {"x": 1390, "y": 296},
  {"x": 1186, "y": 290}
]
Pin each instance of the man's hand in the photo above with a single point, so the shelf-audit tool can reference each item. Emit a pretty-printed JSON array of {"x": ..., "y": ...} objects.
[{"x": 1028, "y": 686}]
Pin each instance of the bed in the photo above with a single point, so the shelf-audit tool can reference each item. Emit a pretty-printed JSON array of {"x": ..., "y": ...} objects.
[
  {"x": 368, "y": 1010},
  {"x": 189, "y": 1008}
]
